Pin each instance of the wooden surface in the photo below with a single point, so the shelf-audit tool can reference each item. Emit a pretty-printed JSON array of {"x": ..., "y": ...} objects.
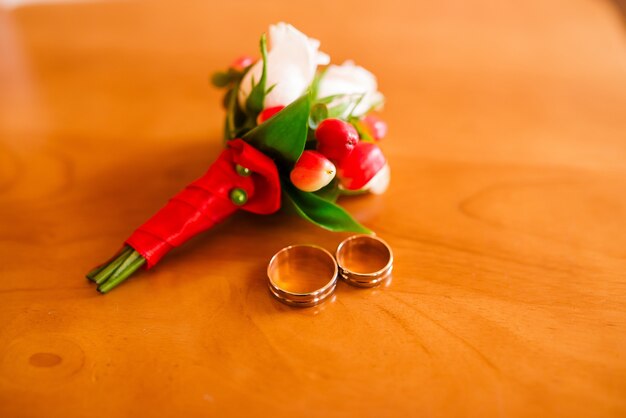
[{"x": 507, "y": 214}]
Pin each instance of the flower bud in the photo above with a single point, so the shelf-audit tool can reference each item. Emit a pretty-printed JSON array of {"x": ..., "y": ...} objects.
[
  {"x": 241, "y": 63},
  {"x": 268, "y": 113},
  {"x": 312, "y": 171},
  {"x": 376, "y": 126},
  {"x": 336, "y": 139},
  {"x": 358, "y": 168}
]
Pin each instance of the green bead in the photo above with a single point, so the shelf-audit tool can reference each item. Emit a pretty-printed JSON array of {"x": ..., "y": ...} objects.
[
  {"x": 238, "y": 196},
  {"x": 242, "y": 171}
]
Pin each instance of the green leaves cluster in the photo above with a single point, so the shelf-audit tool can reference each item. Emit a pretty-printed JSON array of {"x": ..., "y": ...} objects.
[{"x": 284, "y": 137}]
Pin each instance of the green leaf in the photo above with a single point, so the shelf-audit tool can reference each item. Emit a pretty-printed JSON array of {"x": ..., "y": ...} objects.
[
  {"x": 254, "y": 103},
  {"x": 345, "y": 192},
  {"x": 330, "y": 99},
  {"x": 221, "y": 79},
  {"x": 319, "y": 112},
  {"x": 283, "y": 135},
  {"x": 338, "y": 110},
  {"x": 322, "y": 212},
  {"x": 356, "y": 104},
  {"x": 270, "y": 89},
  {"x": 316, "y": 82},
  {"x": 330, "y": 192},
  {"x": 230, "y": 126}
]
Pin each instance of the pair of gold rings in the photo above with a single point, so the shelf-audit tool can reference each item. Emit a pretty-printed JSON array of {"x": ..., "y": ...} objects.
[{"x": 305, "y": 275}]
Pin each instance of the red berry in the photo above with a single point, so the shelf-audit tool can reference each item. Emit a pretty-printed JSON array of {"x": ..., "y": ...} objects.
[
  {"x": 268, "y": 113},
  {"x": 312, "y": 171},
  {"x": 358, "y": 168},
  {"x": 336, "y": 139},
  {"x": 376, "y": 126},
  {"x": 242, "y": 63}
]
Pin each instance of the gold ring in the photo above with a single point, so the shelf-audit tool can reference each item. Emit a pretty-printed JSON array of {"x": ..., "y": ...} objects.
[
  {"x": 302, "y": 275},
  {"x": 364, "y": 260}
]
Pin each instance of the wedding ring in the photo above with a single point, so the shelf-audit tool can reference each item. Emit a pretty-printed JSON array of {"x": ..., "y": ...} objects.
[
  {"x": 364, "y": 260},
  {"x": 302, "y": 275}
]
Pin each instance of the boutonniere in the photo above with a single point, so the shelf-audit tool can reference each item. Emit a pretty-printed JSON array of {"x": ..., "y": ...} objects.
[{"x": 298, "y": 130}]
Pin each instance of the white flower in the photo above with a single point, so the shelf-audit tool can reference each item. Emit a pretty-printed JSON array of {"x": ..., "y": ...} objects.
[
  {"x": 380, "y": 182},
  {"x": 292, "y": 60},
  {"x": 349, "y": 78}
]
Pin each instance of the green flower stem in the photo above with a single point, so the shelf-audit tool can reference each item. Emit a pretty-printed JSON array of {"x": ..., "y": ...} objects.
[
  {"x": 123, "y": 272},
  {"x": 95, "y": 271},
  {"x": 109, "y": 268},
  {"x": 92, "y": 274}
]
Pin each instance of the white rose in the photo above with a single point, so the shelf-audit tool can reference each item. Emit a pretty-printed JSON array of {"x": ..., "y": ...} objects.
[
  {"x": 292, "y": 61},
  {"x": 349, "y": 78}
]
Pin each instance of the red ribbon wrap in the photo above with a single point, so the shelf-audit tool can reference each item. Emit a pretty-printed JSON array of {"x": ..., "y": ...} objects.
[{"x": 206, "y": 201}]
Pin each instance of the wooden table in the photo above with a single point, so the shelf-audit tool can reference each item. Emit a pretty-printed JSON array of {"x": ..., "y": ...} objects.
[{"x": 507, "y": 214}]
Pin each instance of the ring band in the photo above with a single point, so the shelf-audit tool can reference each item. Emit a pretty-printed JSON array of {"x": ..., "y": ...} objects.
[
  {"x": 302, "y": 275},
  {"x": 364, "y": 260}
]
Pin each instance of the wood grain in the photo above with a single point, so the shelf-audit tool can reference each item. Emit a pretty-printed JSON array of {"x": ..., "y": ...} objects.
[{"x": 506, "y": 212}]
